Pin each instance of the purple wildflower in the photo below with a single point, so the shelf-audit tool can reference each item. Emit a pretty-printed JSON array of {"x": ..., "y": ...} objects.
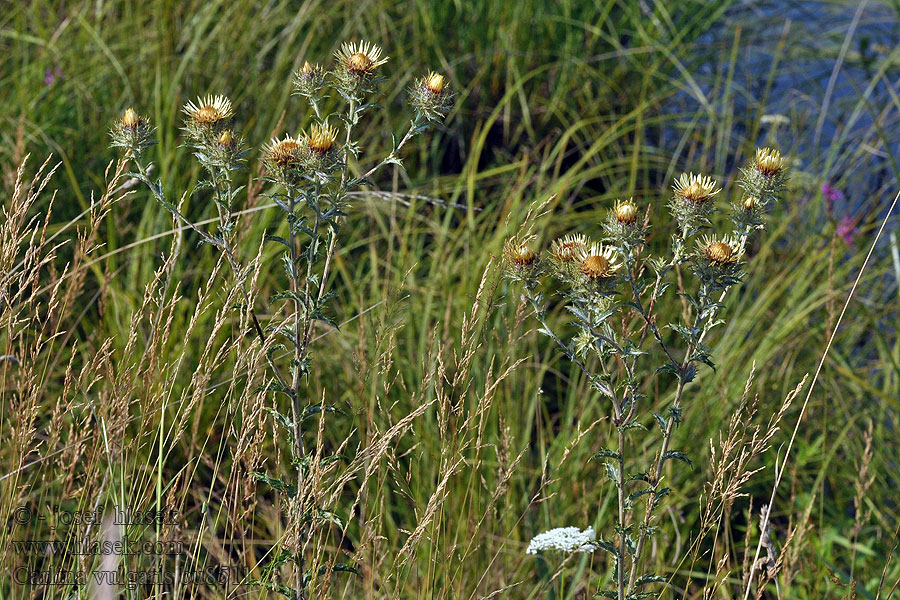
[
  {"x": 847, "y": 230},
  {"x": 50, "y": 75},
  {"x": 832, "y": 195}
]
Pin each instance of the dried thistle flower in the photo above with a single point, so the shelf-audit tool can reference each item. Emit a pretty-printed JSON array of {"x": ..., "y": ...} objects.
[
  {"x": 284, "y": 159},
  {"x": 719, "y": 252},
  {"x": 693, "y": 201},
  {"x": 131, "y": 118},
  {"x": 520, "y": 260},
  {"x": 596, "y": 262},
  {"x": 204, "y": 121},
  {"x": 321, "y": 138},
  {"x": 520, "y": 255},
  {"x": 309, "y": 79},
  {"x": 436, "y": 83},
  {"x": 695, "y": 189},
  {"x": 597, "y": 267},
  {"x": 564, "y": 255},
  {"x": 717, "y": 261},
  {"x": 357, "y": 67},
  {"x": 567, "y": 249},
  {"x": 430, "y": 96},
  {"x": 625, "y": 212},
  {"x": 321, "y": 152},
  {"x": 769, "y": 162},
  {"x": 209, "y": 111},
  {"x": 226, "y": 152},
  {"x": 765, "y": 177},
  {"x": 623, "y": 225},
  {"x": 132, "y": 132}
]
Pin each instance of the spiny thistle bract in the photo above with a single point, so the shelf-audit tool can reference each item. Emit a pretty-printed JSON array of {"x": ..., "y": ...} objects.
[
  {"x": 623, "y": 225},
  {"x": 309, "y": 80},
  {"x": 310, "y": 184},
  {"x": 430, "y": 96},
  {"x": 132, "y": 133},
  {"x": 614, "y": 291}
]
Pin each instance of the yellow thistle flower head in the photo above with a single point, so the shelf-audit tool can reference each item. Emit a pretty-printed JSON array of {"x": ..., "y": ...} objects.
[
  {"x": 769, "y": 162},
  {"x": 518, "y": 253},
  {"x": 226, "y": 139},
  {"x": 750, "y": 202},
  {"x": 720, "y": 251},
  {"x": 625, "y": 212},
  {"x": 210, "y": 110},
  {"x": 307, "y": 69},
  {"x": 430, "y": 96},
  {"x": 284, "y": 153},
  {"x": 598, "y": 262},
  {"x": 321, "y": 138},
  {"x": 132, "y": 132},
  {"x": 696, "y": 189},
  {"x": 131, "y": 118},
  {"x": 435, "y": 82},
  {"x": 360, "y": 58},
  {"x": 567, "y": 249}
]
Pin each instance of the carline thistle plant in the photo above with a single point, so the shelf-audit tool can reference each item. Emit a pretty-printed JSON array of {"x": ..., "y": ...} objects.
[
  {"x": 613, "y": 290},
  {"x": 311, "y": 177}
]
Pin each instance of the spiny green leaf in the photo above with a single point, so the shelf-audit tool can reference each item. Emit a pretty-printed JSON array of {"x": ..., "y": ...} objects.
[
  {"x": 315, "y": 409},
  {"x": 676, "y": 455},
  {"x": 605, "y": 453},
  {"x": 276, "y": 484}
]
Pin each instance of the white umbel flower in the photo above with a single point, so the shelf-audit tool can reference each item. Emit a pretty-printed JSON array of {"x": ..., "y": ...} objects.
[{"x": 567, "y": 539}]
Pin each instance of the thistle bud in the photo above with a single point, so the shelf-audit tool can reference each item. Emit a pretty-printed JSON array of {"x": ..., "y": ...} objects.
[
  {"x": 625, "y": 212},
  {"x": 769, "y": 162},
  {"x": 309, "y": 79},
  {"x": 226, "y": 139},
  {"x": 131, "y": 118},
  {"x": 430, "y": 96},
  {"x": 132, "y": 132},
  {"x": 435, "y": 83}
]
